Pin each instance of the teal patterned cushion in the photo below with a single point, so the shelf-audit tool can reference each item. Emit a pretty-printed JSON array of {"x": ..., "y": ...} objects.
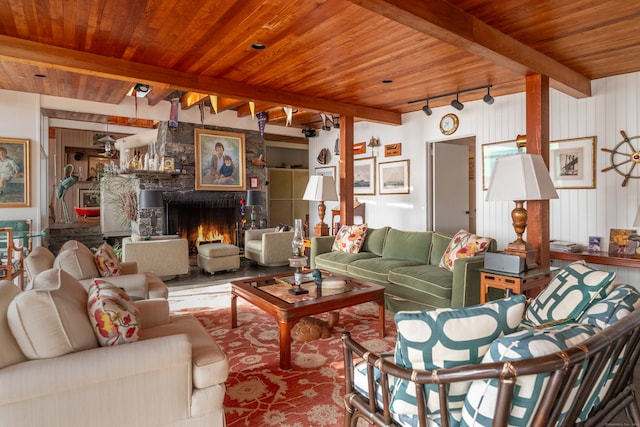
[
  {"x": 572, "y": 290},
  {"x": 445, "y": 338},
  {"x": 480, "y": 402},
  {"x": 621, "y": 301}
]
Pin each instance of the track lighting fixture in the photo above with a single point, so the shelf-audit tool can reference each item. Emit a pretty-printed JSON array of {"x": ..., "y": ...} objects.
[
  {"x": 309, "y": 133},
  {"x": 488, "y": 99},
  {"x": 426, "y": 109},
  {"x": 457, "y": 104}
]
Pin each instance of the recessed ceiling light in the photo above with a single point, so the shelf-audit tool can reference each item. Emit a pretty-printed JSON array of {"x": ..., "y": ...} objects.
[
  {"x": 42, "y": 76},
  {"x": 258, "y": 46},
  {"x": 387, "y": 81}
]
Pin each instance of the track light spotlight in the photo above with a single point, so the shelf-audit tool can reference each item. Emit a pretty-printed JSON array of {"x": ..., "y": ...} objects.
[
  {"x": 309, "y": 133},
  {"x": 488, "y": 99},
  {"x": 426, "y": 109},
  {"x": 457, "y": 104}
]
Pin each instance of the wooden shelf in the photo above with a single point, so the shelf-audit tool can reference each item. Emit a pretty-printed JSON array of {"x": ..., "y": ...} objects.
[{"x": 602, "y": 258}]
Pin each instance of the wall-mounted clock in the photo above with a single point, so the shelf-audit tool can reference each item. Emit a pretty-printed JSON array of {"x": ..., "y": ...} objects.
[{"x": 449, "y": 124}]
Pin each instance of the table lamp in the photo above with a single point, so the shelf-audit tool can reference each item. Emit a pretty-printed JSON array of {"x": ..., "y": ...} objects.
[
  {"x": 254, "y": 198},
  {"x": 151, "y": 199},
  {"x": 519, "y": 178},
  {"x": 321, "y": 189}
]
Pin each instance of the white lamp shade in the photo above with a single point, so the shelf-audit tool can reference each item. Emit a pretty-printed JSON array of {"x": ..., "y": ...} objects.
[
  {"x": 521, "y": 177},
  {"x": 320, "y": 188}
]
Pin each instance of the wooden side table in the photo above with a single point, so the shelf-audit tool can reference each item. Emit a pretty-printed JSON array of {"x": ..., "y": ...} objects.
[{"x": 516, "y": 283}]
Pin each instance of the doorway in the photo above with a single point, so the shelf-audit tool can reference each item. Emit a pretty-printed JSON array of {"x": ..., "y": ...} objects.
[{"x": 451, "y": 185}]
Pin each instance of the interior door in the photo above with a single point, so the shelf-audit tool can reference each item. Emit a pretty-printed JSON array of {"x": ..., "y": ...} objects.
[{"x": 450, "y": 187}]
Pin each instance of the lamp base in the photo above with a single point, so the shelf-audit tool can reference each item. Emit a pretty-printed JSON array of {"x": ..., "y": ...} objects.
[
  {"x": 321, "y": 229},
  {"x": 523, "y": 250}
]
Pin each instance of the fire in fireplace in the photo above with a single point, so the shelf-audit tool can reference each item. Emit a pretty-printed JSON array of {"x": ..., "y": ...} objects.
[{"x": 203, "y": 221}]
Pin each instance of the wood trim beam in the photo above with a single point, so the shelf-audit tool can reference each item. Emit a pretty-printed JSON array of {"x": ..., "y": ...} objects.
[
  {"x": 190, "y": 99},
  {"x": 345, "y": 169},
  {"x": 40, "y": 54},
  {"x": 444, "y": 21},
  {"x": 537, "y": 102}
]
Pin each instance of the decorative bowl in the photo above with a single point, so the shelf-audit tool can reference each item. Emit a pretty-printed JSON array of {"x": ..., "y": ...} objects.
[{"x": 88, "y": 212}]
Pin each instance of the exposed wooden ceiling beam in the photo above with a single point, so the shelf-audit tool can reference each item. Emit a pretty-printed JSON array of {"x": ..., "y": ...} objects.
[
  {"x": 442, "y": 20},
  {"x": 190, "y": 99},
  {"x": 28, "y": 52}
]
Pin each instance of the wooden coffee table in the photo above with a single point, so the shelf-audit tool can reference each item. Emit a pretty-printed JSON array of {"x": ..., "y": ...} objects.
[{"x": 270, "y": 293}]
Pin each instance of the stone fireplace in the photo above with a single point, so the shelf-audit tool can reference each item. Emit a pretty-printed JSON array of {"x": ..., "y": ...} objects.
[{"x": 198, "y": 216}]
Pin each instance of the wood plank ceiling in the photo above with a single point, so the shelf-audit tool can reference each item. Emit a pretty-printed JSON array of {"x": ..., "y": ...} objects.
[{"x": 322, "y": 56}]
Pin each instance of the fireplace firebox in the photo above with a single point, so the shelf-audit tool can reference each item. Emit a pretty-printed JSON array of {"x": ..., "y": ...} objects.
[{"x": 204, "y": 221}]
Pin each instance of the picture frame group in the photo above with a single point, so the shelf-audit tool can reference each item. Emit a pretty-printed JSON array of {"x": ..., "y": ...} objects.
[{"x": 391, "y": 177}]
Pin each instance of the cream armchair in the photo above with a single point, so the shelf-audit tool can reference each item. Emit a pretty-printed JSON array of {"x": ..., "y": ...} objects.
[
  {"x": 78, "y": 260},
  {"x": 268, "y": 247}
]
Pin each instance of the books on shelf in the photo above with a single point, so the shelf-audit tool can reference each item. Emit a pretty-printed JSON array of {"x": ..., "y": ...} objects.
[{"x": 563, "y": 246}]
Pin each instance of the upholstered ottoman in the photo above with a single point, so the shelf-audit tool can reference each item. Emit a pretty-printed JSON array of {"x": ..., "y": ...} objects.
[{"x": 214, "y": 257}]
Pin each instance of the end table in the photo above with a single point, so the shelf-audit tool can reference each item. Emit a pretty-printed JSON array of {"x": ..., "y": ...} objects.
[{"x": 517, "y": 283}]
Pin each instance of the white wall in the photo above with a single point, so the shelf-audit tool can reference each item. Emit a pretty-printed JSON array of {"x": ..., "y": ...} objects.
[
  {"x": 20, "y": 118},
  {"x": 577, "y": 214}
]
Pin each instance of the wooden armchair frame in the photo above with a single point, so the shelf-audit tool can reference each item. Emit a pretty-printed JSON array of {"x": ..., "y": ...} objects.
[
  {"x": 11, "y": 262},
  {"x": 564, "y": 367}
]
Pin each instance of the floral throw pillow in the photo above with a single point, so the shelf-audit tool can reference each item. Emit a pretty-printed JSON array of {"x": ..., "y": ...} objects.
[
  {"x": 115, "y": 319},
  {"x": 463, "y": 245},
  {"x": 350, "y": 238},
  {"x": 107, "y": 261}
]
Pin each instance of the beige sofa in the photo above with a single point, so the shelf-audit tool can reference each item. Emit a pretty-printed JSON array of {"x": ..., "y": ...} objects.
[
  {"x": 77, "y": 259},
  {"x": 268, "y": 247},
  {"x": 54, "y": 373}
]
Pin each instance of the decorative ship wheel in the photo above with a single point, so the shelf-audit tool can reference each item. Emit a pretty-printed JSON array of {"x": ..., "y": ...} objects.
[{"x": 624, "y": 158}]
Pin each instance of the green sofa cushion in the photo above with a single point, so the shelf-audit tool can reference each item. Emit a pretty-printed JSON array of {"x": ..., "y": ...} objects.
[
  {"x": 376, "y": 269},
  {"x": 374, "y": 241},
  {"x": 338, "y": 261},
  {"x": 408, "y": 245},
  {"x": 424, "y": 282},
  {"x": 440, "y": 243}
]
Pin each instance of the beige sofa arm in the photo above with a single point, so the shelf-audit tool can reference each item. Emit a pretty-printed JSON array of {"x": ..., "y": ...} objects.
[
  {"x": 160, "y": 363},
  {"x": 128, "y": 267},
  {"x": 154, "y": 312},
  {"x": 256, "y": 233},
  {"x": 134, "y": 284}
]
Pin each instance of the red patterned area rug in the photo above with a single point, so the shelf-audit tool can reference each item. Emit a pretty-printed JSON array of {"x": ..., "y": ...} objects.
[{"x": 259, "y": 393}]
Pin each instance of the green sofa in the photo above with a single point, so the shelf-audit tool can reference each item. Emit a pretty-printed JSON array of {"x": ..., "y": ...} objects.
[{"x": 406, "y": 264}]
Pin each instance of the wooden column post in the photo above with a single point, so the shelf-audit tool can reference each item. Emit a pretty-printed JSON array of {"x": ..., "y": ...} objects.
[
  {"x": 538, "y": 143},
  {"x": 345, "y": 169}
]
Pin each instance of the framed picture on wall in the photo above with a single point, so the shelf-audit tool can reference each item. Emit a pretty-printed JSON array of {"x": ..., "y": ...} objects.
[
  {"x": 14, "y": 173},
  {"x": 572, "y": 162},
  {"x": 364, "y": 176},
  {"x": 220, "y": 160},
  {"x": 394, "y": 177}
]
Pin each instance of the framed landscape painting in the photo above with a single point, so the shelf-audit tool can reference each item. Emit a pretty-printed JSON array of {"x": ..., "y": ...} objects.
[
  {"x": 14, "y": 173},
  {"x": 220, "y": 160},
  {"x": 394, "y": 177},
  {"x": 364, "y": 176}
]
